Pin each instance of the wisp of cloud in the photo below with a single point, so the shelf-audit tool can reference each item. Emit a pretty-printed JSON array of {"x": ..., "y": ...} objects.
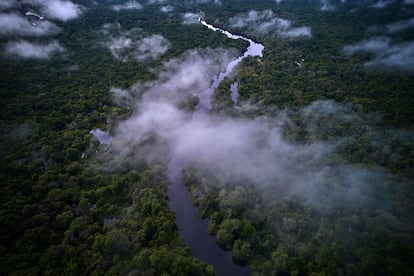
[
  {"x": 244, "y": 150},
  {"x": 386, "y": 53},
  {"x": 63, "y": 10},
  {"x": 13, "y": 24},
  {"x": 130, "y": 5},
  {"x": 267, "y": 22},
  {"x": 28, "y": 50},
  {"x": 132, "y": 45}
]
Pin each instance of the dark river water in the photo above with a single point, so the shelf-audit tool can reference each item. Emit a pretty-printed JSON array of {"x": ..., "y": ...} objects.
[{"x": 191, "y": 227}]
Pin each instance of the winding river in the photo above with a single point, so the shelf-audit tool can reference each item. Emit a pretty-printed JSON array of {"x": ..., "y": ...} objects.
[{"x": 191, "y": 227}]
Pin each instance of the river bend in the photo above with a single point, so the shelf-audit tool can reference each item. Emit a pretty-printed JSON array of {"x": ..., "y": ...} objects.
[{"x": 191, "y": 227}]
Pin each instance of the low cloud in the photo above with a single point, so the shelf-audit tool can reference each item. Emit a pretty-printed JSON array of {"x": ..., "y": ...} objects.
[
  {"x": 267, "y": 22},
  {"x": 121, "y": 97},
  {"x": 133, "y": 45},
  {"x": 152, "y": 47},
  {"x": 401, "y": 25},
  {"x": 217, "y": 2},
  {"x": 34, "y": 22},
  {"x": 331, "y": 5},
  {"x": 386, "y": 53},
  {"x": 297, "y": 32},
  {"x": 157, "y": 1},
  {"x": 202, "y": 2},
  {"x": 63, "y": 10},
  {"x": 130, "y": 5},
  {"x": 376, "y": 4},
  {"x": 178, "y": 80},
  {"x": 102, "y": 136},
  {"x": 326, "y": 5},
  {"x": 382, "y": 4},
  {"x": 13, "y": 24},
  {"x": 192, "y": 18},
  {"x": 244, "y": 150},
  {"x": 374, "y": 45},
  {"x": 191, "y": 75},
  {"x": 167, "y": 9},
  {"x": 28, "y": 50}
]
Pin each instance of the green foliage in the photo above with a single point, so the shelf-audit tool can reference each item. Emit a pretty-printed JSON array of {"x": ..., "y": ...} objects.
[
  {"x": 287, "y": 236},
  {"x": 64, "y": 212},
  {"x": 294, "y": 239}
]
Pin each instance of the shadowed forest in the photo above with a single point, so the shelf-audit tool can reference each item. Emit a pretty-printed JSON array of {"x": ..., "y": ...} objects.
[{"x": 308, "y": 172}]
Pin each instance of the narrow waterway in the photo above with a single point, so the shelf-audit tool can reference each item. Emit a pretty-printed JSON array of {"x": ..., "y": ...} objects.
[{"x": 192, "y": 228}]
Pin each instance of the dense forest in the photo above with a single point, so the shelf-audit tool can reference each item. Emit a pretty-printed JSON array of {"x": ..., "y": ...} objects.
[{"x": 331, "y": 98}]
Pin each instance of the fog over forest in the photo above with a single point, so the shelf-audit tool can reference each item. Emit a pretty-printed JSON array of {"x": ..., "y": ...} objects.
[
  {"x": 129, "y": 148},
  {"x": 247, "y": 150}
]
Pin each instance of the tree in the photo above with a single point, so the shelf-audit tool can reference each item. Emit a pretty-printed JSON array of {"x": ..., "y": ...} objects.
[{"x": 242, "y": 250}]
